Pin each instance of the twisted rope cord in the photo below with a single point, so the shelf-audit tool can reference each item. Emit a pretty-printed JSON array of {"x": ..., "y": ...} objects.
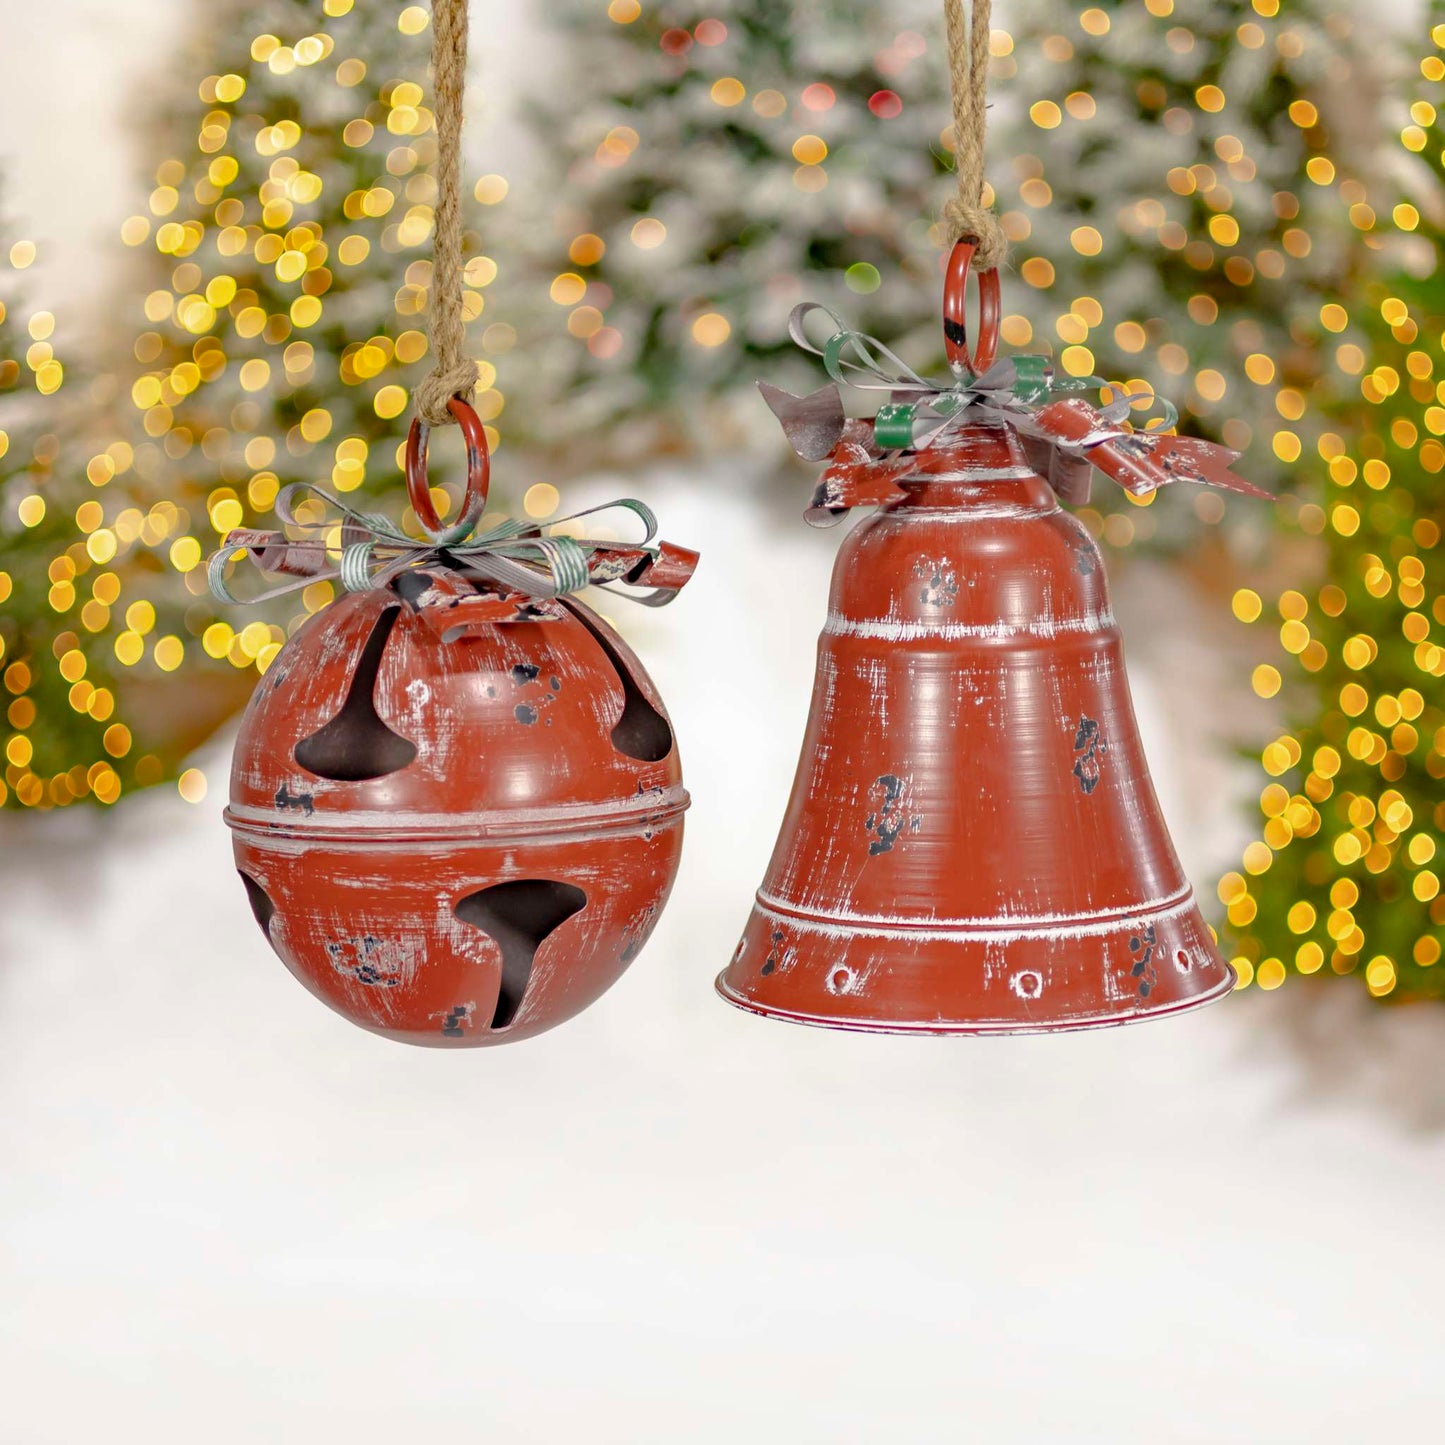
[
  {"x": 452, "y": 373},
  {"x": 965, "y": 216}
]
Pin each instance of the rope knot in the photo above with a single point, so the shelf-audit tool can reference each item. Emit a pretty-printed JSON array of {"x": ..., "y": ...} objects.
[
  {"x": 439, "y": 386},
  {"x": 964, "y": 222}
]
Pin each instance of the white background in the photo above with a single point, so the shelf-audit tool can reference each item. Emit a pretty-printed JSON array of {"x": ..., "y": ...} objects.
[{"x": 225, "y": 1216}]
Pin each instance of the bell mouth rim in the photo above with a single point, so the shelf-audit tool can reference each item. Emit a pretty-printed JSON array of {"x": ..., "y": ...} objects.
[
  {"x": 973, "y": 1028},
  {"x": 494, "y": 825}
]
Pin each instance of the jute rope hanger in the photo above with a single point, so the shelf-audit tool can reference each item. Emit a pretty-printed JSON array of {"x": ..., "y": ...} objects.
[
  {"x": 453, "y": 374},
  {"x": 965, "y": 216}
]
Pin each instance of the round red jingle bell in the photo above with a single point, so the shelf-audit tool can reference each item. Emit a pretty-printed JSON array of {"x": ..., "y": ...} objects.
[{"x": 457, "y": 809}]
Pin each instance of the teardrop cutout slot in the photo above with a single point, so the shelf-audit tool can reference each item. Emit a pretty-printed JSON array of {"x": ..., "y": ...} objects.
[
  {"x": 356, "y": 745},
  {"x": 641, "y": 732},
  {"x": 261, "y": 905},
  {"x": 520, "y": 916}
]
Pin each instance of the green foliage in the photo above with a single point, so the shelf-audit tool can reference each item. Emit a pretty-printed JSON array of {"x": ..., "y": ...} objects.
[
  {"x": 704, "y": 168},
  {"x": 1182, "y": 183},
  {"x": 1203, "y": 243},
  {"x": 60, "y": 723},
  {"x": 1347, "y": 870},
  {"x": 274, "y": 324}
]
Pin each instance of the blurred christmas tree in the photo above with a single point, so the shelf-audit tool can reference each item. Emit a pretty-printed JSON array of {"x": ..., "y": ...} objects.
[
  {"x": 718, "y": 162},
  {"x": 61, "y": 728},
  {"x": 283, "y": 290},
  {"x": 705, "y": 167},
  {"x": 1181, "y": 184},
  {"x": 1347, "y": 871}
]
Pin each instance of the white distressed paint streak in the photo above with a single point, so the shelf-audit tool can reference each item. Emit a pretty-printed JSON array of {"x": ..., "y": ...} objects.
[
  {"x": 656, "y": 810},
  {"x": 972, "y": 474},
  {"x": 990, "y": 513},
  {"x": 1002, "y": 929},
  {"x": 1044, "y": 626}
]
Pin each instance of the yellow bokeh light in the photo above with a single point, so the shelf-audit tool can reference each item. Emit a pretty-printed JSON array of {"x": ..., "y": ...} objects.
[
  {"x": 192, "y": 785},
  {"x": 568, "y": 289},
  {"x": 711, "y": 329},
  {"x": 1265, "y": 680},
  {"x": 810, "y": 150},
  {"x": 541, "y": 500}
]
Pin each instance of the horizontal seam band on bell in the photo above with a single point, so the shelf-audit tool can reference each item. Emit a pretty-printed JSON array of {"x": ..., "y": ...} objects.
[
  {"x": 1046, "y": 925},
  {"x": 995, "y": 513},
  {"x": 839, "y": 626},
  {"x": 970, "y": 474},
  {"x": 497, "y": 826}
]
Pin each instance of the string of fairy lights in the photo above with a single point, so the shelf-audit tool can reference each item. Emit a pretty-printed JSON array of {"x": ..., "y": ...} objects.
[
  {"x": 258, "y": 245},
  {"x": 1349, "y": 856}
]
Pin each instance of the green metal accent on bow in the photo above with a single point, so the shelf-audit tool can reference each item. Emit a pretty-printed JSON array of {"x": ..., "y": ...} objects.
[
  {"x": 893, "y": 424},
  {"x": 1011, "y": 390},
  {"x": 1035, "y": 378}
]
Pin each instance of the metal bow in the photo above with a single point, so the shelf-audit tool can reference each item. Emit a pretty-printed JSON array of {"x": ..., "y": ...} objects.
[
  {"x": 1063, "y": 435},
  {"x": 511, "y": 572}
]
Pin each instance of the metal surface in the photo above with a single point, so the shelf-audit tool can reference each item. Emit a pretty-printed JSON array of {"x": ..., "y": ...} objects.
[
  {"x": 955, "y": 312},
  {"x": 455, "y": 840},
  {"x": 973, "y": 843}
]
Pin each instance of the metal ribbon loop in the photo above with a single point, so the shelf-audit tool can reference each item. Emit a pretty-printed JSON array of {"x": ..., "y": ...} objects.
[
  {"x": 370, "y": 550},
  {"x": 1069, "y": 433}
]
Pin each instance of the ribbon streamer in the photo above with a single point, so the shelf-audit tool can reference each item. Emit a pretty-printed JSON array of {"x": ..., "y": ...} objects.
[
  {"x": 1064, "y": 436},
  {"x": 512, "y": 572}
]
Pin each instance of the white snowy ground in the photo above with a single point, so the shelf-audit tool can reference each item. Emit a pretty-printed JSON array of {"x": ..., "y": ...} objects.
[{"x": 226, "y": 1216}]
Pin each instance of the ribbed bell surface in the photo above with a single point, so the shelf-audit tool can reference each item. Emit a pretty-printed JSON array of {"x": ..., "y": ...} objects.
[{"x": 973, "y": 844}]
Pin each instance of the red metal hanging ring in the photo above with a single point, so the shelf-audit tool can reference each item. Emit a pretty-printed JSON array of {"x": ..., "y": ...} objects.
[
  {"x": 955, "y": 312},
  {"x": 479, "y": 469}
]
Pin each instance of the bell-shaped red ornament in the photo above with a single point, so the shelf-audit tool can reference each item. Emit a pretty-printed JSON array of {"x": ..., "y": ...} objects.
[
  {"x": 973, "y": 843},
  {"x": 457, "y": 809}
]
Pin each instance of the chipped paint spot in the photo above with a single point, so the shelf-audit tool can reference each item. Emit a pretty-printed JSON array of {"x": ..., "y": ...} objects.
[
  {"x": 302, "y": 802},
  {"x": 375, "y": 962},
  {"x": 1091, "y": 748},
  {"x": 525, "y": 712},
  {"x": 525, "y": 672},
  {"x": 1027, "y": 983},
  {"x": 638, "y": 928},
  {"x": 890, "y": 816},
  {"x": 1141, "y": 946},
  {"x": 940, "y": 585},
  {"x": 778, "y": 955},
  {"x": 456, "y": 1020}
]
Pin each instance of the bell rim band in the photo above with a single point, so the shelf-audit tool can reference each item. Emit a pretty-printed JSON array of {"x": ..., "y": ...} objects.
[
  {"x": 978, "y": 1028},
  {"x": 479, "y": 468}
]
